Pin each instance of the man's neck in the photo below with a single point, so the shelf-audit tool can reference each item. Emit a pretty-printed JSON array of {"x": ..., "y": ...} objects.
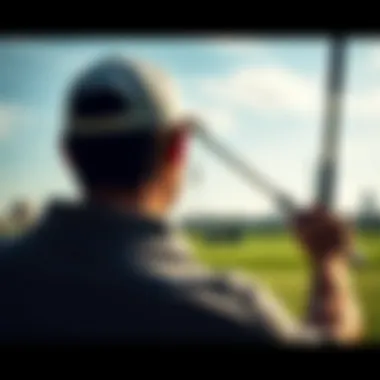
[{"x": 149, "y": 206}]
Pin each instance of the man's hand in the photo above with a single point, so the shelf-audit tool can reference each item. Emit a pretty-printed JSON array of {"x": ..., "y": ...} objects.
[
  {"x": 332, "y": 304},
  {"x": 323, "y": 235}
]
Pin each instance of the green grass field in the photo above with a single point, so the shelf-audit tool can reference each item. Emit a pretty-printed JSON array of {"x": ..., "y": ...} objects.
[{"x": 275, "y": 260}]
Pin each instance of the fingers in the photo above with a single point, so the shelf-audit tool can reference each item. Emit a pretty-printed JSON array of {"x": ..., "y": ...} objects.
[
  {"x": 320, "y": 231},
  {"x": 316, "y": 214}
]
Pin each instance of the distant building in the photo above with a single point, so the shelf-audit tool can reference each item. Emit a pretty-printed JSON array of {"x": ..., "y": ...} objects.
[
  {"x": 230, "y": 234},
  {"x": 369, "y": 212},
  {"x": 369, "y": 204},
  {"x": 21, "y": 215},
  {"x": 230, "y": 229}
]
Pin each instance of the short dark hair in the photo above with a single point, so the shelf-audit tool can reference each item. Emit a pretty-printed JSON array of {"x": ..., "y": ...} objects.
[
  {"x": 124, "y": 161},
  {"x": 121, "y": 161}
]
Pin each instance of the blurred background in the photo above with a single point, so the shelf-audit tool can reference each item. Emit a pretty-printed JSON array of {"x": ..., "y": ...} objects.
[{"x": 263, "y": 97}]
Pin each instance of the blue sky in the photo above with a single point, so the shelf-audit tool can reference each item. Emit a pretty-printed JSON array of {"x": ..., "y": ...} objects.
[{"x": 263, "y": 97}]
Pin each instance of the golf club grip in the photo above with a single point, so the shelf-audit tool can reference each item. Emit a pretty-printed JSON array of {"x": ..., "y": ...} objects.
[
  {"x": 255, "y": 178},
  {"x": 289, "y": 208}
]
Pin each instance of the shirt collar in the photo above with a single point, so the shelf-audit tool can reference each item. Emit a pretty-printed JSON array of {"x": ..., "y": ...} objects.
[{"x": 91, "y": 217}]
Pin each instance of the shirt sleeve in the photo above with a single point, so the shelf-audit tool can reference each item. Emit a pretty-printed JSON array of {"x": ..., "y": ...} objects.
[
  {"x": 254, "y": 307},
  {"x": 245, "y": 305}
]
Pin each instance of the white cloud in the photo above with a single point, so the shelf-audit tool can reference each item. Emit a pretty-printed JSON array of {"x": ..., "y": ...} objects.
[
  {"x": 9, "y": 117},
  {"x": 273, "y": 89},
  {"x": 280, "y": 90},
  {"x": 365, "y": 105},
  {"x": 374, "y": 57},
  {"x": 13, "y": 116}
]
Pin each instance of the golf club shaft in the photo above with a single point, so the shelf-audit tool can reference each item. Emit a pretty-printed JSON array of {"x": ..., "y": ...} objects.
[
  {"x": 255, "y": 178},
  {"x": 330, "y": 145}
]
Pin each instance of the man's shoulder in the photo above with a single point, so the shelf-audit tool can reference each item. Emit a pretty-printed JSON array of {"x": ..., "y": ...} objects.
[
  {"x": 4, "y": 243},
  {"x": 242, "y": 302},
  {"x": 226, "y": 297},
  {"x": 17, "y": 255},
  {"x": 6, "y": 246}
]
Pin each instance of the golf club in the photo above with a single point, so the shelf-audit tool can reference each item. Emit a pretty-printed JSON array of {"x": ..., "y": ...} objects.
[{"x": 255, "y": 178}]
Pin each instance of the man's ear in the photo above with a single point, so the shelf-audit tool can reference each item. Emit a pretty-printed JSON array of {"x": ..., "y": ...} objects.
[{"x": 177, "y": 147}]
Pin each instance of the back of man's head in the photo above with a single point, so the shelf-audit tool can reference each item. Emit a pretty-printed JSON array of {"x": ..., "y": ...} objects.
[{"x": 124, "y": 125}]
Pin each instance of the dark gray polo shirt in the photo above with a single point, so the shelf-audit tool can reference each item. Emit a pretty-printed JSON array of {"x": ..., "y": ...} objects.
[{"x": 94, "y": 274}]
